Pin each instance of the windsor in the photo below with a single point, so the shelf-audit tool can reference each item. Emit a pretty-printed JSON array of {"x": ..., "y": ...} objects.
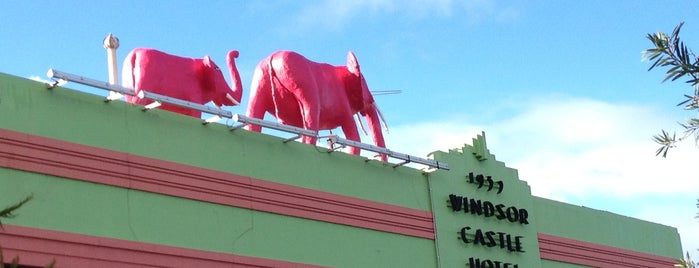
[{"x": 488, "y": 209}]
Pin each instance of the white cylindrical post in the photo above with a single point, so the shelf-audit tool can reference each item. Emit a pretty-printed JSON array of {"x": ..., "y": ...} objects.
[{"x": 111, "y": 43}]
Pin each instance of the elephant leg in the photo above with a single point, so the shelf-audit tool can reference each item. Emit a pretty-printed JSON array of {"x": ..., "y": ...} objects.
[
  {"x": 255, "y": 110},
  {"x": 349, "y": 127},
  {"x": 305, "y": 94},
  {"x": 260, "y": 98},
  {"x": 311, "y": 116}
]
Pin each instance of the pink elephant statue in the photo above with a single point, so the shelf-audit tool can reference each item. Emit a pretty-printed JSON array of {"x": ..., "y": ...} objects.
[
  {"x": 314, "y": 96},
  {"x": 194, "y": 80}
]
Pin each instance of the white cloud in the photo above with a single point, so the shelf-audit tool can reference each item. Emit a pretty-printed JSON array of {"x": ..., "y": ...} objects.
[
  {"x": 570, "y": 147},
  {"x": 336, "y": 14},
  {"x": 576, "y": 147}
]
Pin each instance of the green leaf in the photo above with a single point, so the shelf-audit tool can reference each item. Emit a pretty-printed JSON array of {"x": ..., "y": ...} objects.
[
  {"x": 677, "y": 29},
  {"x": 665, "y": 141},
  {"x": 655, "y": 64}
]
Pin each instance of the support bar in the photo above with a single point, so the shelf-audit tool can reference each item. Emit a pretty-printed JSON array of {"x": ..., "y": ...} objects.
[
  {"x": 186, "y": 104},
  {"x": 335, "y": 139},
  {"x": 407, "y": 158},
  {"x": 89, "y": 82},
  {"x": 273, "y": 125},
  {"x": 142, "y": 94}
]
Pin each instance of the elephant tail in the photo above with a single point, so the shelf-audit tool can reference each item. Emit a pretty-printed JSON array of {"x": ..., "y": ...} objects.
[{"x": 272, "y": 75}]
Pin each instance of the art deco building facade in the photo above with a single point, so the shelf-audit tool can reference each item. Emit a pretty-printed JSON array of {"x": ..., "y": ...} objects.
[{"x": 114, "y": 186}]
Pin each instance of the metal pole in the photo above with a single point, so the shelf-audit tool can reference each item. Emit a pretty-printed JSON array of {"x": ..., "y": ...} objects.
[{"x": 111, "y": 43}]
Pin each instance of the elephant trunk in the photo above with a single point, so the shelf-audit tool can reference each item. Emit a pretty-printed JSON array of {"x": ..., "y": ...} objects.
[
  {"x": 237, "y": 86},
  {"x": 373, "y": 118}
]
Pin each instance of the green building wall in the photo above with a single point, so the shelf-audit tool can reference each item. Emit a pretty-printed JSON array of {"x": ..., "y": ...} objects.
[
  {"x": 605, "y": 228},
  {"x": 93, "y": 209}
]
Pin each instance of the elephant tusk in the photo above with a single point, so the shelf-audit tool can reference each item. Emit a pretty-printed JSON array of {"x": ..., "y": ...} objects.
[
  {"x": 361, "y": 125},
  {"x": 381, "y": 116},
  {"x": 229, "y": 97}
]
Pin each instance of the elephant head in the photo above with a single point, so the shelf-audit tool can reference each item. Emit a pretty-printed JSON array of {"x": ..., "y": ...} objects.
[
  {"x": 363, "y": 102},
  {"x": 314, "y": 96},
  {"x": 194, "y": 80}
]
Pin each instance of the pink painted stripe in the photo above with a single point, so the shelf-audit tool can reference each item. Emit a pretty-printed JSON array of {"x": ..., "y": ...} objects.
[
  {"x": 573, "y": 251},
  {"x": 38, "y": 247},
  {"x": 86, "y": 163}
]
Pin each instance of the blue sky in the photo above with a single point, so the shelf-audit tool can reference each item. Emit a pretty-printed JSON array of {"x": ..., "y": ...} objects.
[{"x": 558, "y": 86}]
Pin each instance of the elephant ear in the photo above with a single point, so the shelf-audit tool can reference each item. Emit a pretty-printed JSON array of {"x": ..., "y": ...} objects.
[
  {"x": 208, "y": 72},
  {"x": 208, "y": 62},
  {"x": 353, "y": 64}
]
